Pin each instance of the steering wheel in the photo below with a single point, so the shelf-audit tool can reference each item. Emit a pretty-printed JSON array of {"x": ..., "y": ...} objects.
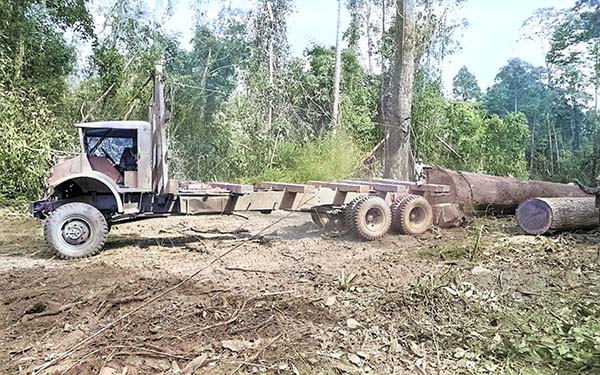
[{"x": 108, "y": 155}]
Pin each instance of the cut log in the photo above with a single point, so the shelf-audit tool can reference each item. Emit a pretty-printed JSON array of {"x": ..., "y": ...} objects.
[
  {"x": 492, "y": 194},
  {"x": 543, "y": 215}
]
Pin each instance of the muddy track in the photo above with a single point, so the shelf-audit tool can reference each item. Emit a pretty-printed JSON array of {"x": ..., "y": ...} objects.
[{"x": 294, "y": 300}]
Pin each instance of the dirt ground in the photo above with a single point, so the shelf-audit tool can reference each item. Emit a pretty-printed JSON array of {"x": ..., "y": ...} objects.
[{"x": 293, "y": 300}]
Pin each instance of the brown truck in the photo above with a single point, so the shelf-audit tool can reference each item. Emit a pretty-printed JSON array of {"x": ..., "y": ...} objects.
[{"x": 121, "y": 175}]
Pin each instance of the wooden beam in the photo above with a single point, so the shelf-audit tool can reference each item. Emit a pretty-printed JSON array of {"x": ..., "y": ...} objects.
[
  {"x": 379, "y": 186},
  {"x": 234, "y": 188},
  {"x": 433, "y": 188},
  {"x": 292, "y": 188},
  {"x": 342, "y": 186}
]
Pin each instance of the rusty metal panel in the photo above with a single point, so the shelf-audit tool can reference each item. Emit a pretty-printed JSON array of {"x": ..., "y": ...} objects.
[
  {"x": 415, "y": 186},
  {"x": 258, "y": 201},
  {"x": 192, "y": 205},
  {"x": 159, "y": 134},
  {"x": 380, "y": 186},
  {"x": 172, "y": 187},
  {"x": 144, "y": 143}
]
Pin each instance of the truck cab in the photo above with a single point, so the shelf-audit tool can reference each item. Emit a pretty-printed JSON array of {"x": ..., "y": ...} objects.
[
  {"x": 120, "y": 150},
  {"x": 114, "y": 164}
]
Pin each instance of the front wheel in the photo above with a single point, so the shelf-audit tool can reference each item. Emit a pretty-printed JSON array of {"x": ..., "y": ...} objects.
[{"x": 76, "y": 230}]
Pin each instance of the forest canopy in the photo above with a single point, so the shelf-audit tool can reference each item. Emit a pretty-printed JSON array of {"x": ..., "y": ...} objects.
[{"x": 243, "y": 108}]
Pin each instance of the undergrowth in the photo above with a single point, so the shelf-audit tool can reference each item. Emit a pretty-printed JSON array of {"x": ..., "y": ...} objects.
[
  {"x": 549, "y": 337},
  {"x": 329, "y": 158},
  {"x": 543, "y": 318},
  {"x": 482, "y": 332}
]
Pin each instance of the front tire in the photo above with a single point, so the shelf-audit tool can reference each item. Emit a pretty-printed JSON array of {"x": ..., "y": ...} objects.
[{"x": 76, "y": 230}]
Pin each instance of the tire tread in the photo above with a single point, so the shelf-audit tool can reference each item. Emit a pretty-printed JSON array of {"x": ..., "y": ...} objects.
[
  {"x": 103, "y": 230},
  {"x": 357, "y": 219}
]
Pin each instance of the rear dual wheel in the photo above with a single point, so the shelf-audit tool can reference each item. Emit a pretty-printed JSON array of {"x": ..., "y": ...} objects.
[
  {"x": 411, "y": 214},
  {"x": 369, "y": 217}
]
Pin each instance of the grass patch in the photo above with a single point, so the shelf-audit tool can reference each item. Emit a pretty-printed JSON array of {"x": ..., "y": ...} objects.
[{"x": 329, "y": 158}]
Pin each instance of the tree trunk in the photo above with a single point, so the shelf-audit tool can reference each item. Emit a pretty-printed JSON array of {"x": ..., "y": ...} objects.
[
  {"x": 384, "y": 77},
  {"x": 398, "y": 160},
  {"x": 369, "y": 39},
  {"x": 476, "y": 192},
  {"x": 532, "y": 152},
  {"x": 19, "y": 60},
  {"x": 596, "y": 75},
  {"x": 551, "y": 146},
  {"x": 556, "y": 148},
  {"x": 335, "y": 113},
  {"x": 541, "y": 215},
  {"x": 271, "y": 67}
]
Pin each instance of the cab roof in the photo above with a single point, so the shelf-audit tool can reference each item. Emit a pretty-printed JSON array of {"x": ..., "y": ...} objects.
[{"x": 114, "y": 125}]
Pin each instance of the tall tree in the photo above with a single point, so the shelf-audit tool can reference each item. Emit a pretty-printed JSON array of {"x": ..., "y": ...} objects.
[
  {"x": 32, "y": 44},
  {"x": 575, "y": 44},
  {"x": 362, "y": 26},
  {"x": 269, "y": 54},
  {"x": 335, "y": 113},
  {"x": 465, "y": 86},
  {"x": 123, "y": 58},
  {"x": 398, "y": 159},
  {"x": 515, "y": 88},
  {"x": 421, "y": 37},
  {"x": 540, "y": 27}
]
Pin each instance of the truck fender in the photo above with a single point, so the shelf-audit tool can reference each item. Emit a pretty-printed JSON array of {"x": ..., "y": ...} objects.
[{"x": 98, "y": 177}]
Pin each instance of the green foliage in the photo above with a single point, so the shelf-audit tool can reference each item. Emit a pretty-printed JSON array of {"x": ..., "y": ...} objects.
[
  {"x": 565, "y": 340},
  {"x": 30, "y": 134},
  {"x": 220, "y": 134},
  {"x": 32, "y": 40},
  {"x": 35, "y": 61},
  {"x": 561, "y": 133},
  {"x": 301, "y": 163},
  {"x": 505, "y": 141},
  {"x": 242, "y": 108},
  {"x": 360, "y": 98},
  {"x": 462, "y": 136},
  {"x": 465, "y": 86},
  {"x": 312, "y": 95},
  {"x": 518, "y": 88},
  {"x": 123, "y": 60}
]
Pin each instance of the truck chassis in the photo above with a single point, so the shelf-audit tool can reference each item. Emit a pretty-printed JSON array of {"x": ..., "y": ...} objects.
[{"x": 368, "y": 209}]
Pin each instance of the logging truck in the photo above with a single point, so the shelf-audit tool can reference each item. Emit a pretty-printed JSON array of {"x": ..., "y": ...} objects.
[{"x": 121, "y": 174}]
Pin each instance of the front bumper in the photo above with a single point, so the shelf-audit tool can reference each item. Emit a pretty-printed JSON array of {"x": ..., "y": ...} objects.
[{"x": 40, "y": 209}]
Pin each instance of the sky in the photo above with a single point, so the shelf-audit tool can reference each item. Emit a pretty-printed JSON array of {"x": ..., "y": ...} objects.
[{"x": 492, "y": 37}]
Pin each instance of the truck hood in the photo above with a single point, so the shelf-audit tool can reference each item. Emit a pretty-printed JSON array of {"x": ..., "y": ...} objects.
[
  {"x": 66, "y": 168},
  {"x": 83, "y": 164}
]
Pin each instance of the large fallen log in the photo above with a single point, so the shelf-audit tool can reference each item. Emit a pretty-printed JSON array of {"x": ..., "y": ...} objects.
[
  {"x": 492, "y": 194},
  {"x": 542, "y": 215}
]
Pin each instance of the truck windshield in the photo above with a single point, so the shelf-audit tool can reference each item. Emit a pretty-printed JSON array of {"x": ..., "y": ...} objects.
[{"x": 109, "y": 143}]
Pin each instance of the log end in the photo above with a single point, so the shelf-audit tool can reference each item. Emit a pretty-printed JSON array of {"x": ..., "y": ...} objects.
[{"x": 534, "y": 216}]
